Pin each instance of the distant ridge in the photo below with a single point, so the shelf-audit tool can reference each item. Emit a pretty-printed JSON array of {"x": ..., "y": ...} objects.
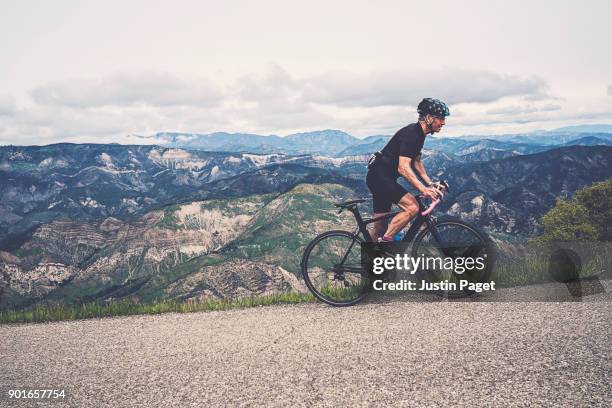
[
  {"x": 595, "y": 128},
  {"x": 337, "y": 143}
]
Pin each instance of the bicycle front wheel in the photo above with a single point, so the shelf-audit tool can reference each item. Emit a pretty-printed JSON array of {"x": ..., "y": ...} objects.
[
  {"x": 331, "y": 268},
  {"x": 456, "y": 257}
]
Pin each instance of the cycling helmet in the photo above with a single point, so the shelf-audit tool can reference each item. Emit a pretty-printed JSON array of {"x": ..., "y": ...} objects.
[{"x": 435, "y": 107}]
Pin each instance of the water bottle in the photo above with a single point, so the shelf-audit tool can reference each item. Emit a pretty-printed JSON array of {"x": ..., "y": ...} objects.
[{"x": 399, "y": 236}]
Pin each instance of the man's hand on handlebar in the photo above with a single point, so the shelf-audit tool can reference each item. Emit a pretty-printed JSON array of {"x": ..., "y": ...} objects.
[
  {"x": 435, "y": 190},
  {"x": 440, "y": 187},
  {"x": 431, "y": 192}
]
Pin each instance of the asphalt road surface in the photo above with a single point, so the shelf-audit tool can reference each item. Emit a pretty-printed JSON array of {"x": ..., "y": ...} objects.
[{"x": 391, "y": 353}]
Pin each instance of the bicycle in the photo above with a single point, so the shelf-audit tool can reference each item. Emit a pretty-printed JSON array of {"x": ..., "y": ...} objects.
[{"x": 333, "y": 269}]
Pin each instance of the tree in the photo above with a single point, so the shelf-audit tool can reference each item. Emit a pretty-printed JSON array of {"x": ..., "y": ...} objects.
[
  {"x": 597, "y": 199},
  {"x": 585, "y": 217}
]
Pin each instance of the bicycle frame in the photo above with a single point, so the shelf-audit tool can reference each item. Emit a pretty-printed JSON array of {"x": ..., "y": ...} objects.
[{"x": 416, "y": 225}]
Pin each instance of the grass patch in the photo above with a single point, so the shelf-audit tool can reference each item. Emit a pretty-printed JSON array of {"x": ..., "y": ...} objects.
[
  {"x": 46, "y": 313},
  {"x": 535, "y": 267},
  {"x": 527, "y": 270}
]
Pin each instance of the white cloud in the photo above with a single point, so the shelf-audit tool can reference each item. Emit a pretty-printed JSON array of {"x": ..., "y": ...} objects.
[
  {"x": 541, "y": 117},
  {"x": 7, "y": 105},
  {"x": 274, "y": 84},
  {"x": 272, "y": 102},
  {"x": 277, "y": 102},
  {"x": 401, "y": 88},
  {"x": 519, "y": 109},
  {"x": 48, "y": 124},
  {"x": 388, "y": 88},
  {"x": 148, "y": 88}
]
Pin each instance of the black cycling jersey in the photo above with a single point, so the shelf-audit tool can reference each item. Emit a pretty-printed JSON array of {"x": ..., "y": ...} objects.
[{"x": 408, "y": 142}]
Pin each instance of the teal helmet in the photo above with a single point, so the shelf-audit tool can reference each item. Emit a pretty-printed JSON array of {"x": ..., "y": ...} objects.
[{"x": 435, "y": 107}]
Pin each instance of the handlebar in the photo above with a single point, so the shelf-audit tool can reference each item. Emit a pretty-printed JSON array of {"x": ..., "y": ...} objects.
[
  {"x": 431, "y": 206},
  {"x": 435, "y": 202}
]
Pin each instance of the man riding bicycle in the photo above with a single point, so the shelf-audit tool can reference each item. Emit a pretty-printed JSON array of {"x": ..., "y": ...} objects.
[{"x": 402, "y": 157}]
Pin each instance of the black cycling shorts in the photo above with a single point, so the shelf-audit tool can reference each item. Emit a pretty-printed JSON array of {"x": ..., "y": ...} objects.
[{"x": 385, "y": 189}]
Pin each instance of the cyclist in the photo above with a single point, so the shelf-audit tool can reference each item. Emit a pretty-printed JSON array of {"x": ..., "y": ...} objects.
[{"x": 402, "y": 157}]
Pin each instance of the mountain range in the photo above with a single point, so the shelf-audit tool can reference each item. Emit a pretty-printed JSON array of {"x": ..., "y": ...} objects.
[
  {"x": 86, "y": 182},
  {"x": 336, "y": 143},
  {"x": 83, "y": 222},
  {"x": 325, "y": 142}
]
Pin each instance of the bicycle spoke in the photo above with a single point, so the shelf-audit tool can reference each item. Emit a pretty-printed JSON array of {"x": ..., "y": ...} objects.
[
  {"x": 332, "y": 268},
  {"x": 452, "y": 240}
]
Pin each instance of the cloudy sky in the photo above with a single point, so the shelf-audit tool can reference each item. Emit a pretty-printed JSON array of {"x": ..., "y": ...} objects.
[{"x": 99, "y": 71}]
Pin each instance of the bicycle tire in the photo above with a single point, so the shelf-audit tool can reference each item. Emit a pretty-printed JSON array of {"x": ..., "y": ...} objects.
[
  {"x": 316, "y": 271},
  {"x": 480, "y": 246}
]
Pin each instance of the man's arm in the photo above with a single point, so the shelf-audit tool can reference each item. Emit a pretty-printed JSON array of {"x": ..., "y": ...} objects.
[
  {"x": 405, "y": 170},
  {"x": 418, "y": 165}
]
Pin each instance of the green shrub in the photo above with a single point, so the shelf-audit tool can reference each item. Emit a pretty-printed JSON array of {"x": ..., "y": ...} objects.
[{"x": 585, "y": 217}]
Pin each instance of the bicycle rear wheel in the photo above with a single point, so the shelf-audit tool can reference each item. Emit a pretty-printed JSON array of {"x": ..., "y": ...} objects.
[
  {"x": 445, "y": 250},
  {"x": 332, "y": 270}
]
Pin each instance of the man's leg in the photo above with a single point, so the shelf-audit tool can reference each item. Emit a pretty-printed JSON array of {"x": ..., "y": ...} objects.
[
  {"x": 410, "y": 208},
  {"x": 381, "y": 204},
  {"x": 378, "y": 227}
]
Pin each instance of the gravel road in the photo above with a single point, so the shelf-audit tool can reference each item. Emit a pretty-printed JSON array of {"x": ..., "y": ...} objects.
[{"x": 394, "y": 353}]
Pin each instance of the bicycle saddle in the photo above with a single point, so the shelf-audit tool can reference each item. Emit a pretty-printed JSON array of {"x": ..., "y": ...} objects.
[{"x": 348, "y": 203}]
